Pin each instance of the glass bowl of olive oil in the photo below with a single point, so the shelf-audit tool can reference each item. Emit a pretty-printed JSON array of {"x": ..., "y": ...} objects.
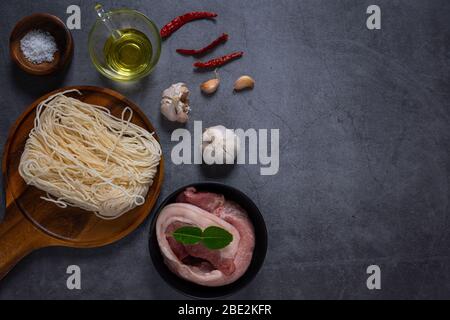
[{"x": 132, "y": 52}]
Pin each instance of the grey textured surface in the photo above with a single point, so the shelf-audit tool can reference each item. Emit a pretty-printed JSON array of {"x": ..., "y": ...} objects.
[{"x": 365, "y": 145}]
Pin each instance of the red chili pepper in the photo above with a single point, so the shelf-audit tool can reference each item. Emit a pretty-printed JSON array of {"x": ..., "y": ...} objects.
[
  {"x": 217, "y": 62},
  {"x": 178, "y": 22},
  {"x": 223, "y": 38}
]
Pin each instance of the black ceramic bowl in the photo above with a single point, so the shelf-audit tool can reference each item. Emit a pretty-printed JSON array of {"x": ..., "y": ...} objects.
[{"x": 259, "y": 253}]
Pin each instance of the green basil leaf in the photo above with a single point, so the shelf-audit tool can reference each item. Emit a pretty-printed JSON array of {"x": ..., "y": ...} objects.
[
  {"x": 188, "y": 235},
  {"x": 216, "y": 238}
]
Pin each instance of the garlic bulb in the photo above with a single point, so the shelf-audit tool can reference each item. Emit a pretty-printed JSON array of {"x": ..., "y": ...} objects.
[
  {"x": 175, "y": 103},
  {"x": 220, "y": 145}
]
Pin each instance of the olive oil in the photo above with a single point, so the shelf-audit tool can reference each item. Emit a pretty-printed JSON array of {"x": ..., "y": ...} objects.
[{"x": 128, "y": 55}]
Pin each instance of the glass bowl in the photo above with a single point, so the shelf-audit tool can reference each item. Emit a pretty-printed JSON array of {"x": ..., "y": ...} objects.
[{"x": 123, "y": 19}]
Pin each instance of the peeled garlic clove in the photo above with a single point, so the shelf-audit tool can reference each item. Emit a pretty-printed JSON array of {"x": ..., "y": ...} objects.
[
  {"x": 244, "y": 82},
  {"x": 210, "y": 86}
]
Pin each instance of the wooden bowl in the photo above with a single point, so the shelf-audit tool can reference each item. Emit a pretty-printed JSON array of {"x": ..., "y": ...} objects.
[{"x": 44, "y": 22}]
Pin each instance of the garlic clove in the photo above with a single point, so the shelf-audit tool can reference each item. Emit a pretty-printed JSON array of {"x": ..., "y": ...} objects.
[
  {"x": 210, "y": 86},
  {"x": 244, "y": 82}
]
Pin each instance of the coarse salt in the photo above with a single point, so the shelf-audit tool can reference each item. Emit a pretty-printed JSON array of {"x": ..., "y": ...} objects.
[{"x": 38, "y": 46}]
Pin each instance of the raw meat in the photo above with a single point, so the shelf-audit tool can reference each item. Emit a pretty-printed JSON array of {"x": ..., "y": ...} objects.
[
  {"x": 197, "y": 263},
  {"x": 206, "y": 200}
]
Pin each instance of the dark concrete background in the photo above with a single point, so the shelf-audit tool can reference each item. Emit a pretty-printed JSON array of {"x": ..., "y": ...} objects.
[{"x": 365, "y": 145}]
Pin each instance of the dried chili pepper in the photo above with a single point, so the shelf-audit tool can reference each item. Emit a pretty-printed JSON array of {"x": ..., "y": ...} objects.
[
  {"x": 223, "y": 38},
  {"x": 178, "y": 22},
  {"x": 217, "y": 62}
]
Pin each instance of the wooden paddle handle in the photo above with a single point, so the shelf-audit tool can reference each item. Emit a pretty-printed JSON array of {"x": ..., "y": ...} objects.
[{"x": 18, "y": 237}]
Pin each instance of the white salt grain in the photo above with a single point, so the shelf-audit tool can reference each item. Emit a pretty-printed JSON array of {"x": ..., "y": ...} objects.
[{"x": 38, "y": 46}]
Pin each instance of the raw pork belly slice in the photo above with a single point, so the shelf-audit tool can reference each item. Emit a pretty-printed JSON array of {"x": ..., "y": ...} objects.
[
  {"x": 197, "y": 263},
  {"x": 206, "y": 200}
]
